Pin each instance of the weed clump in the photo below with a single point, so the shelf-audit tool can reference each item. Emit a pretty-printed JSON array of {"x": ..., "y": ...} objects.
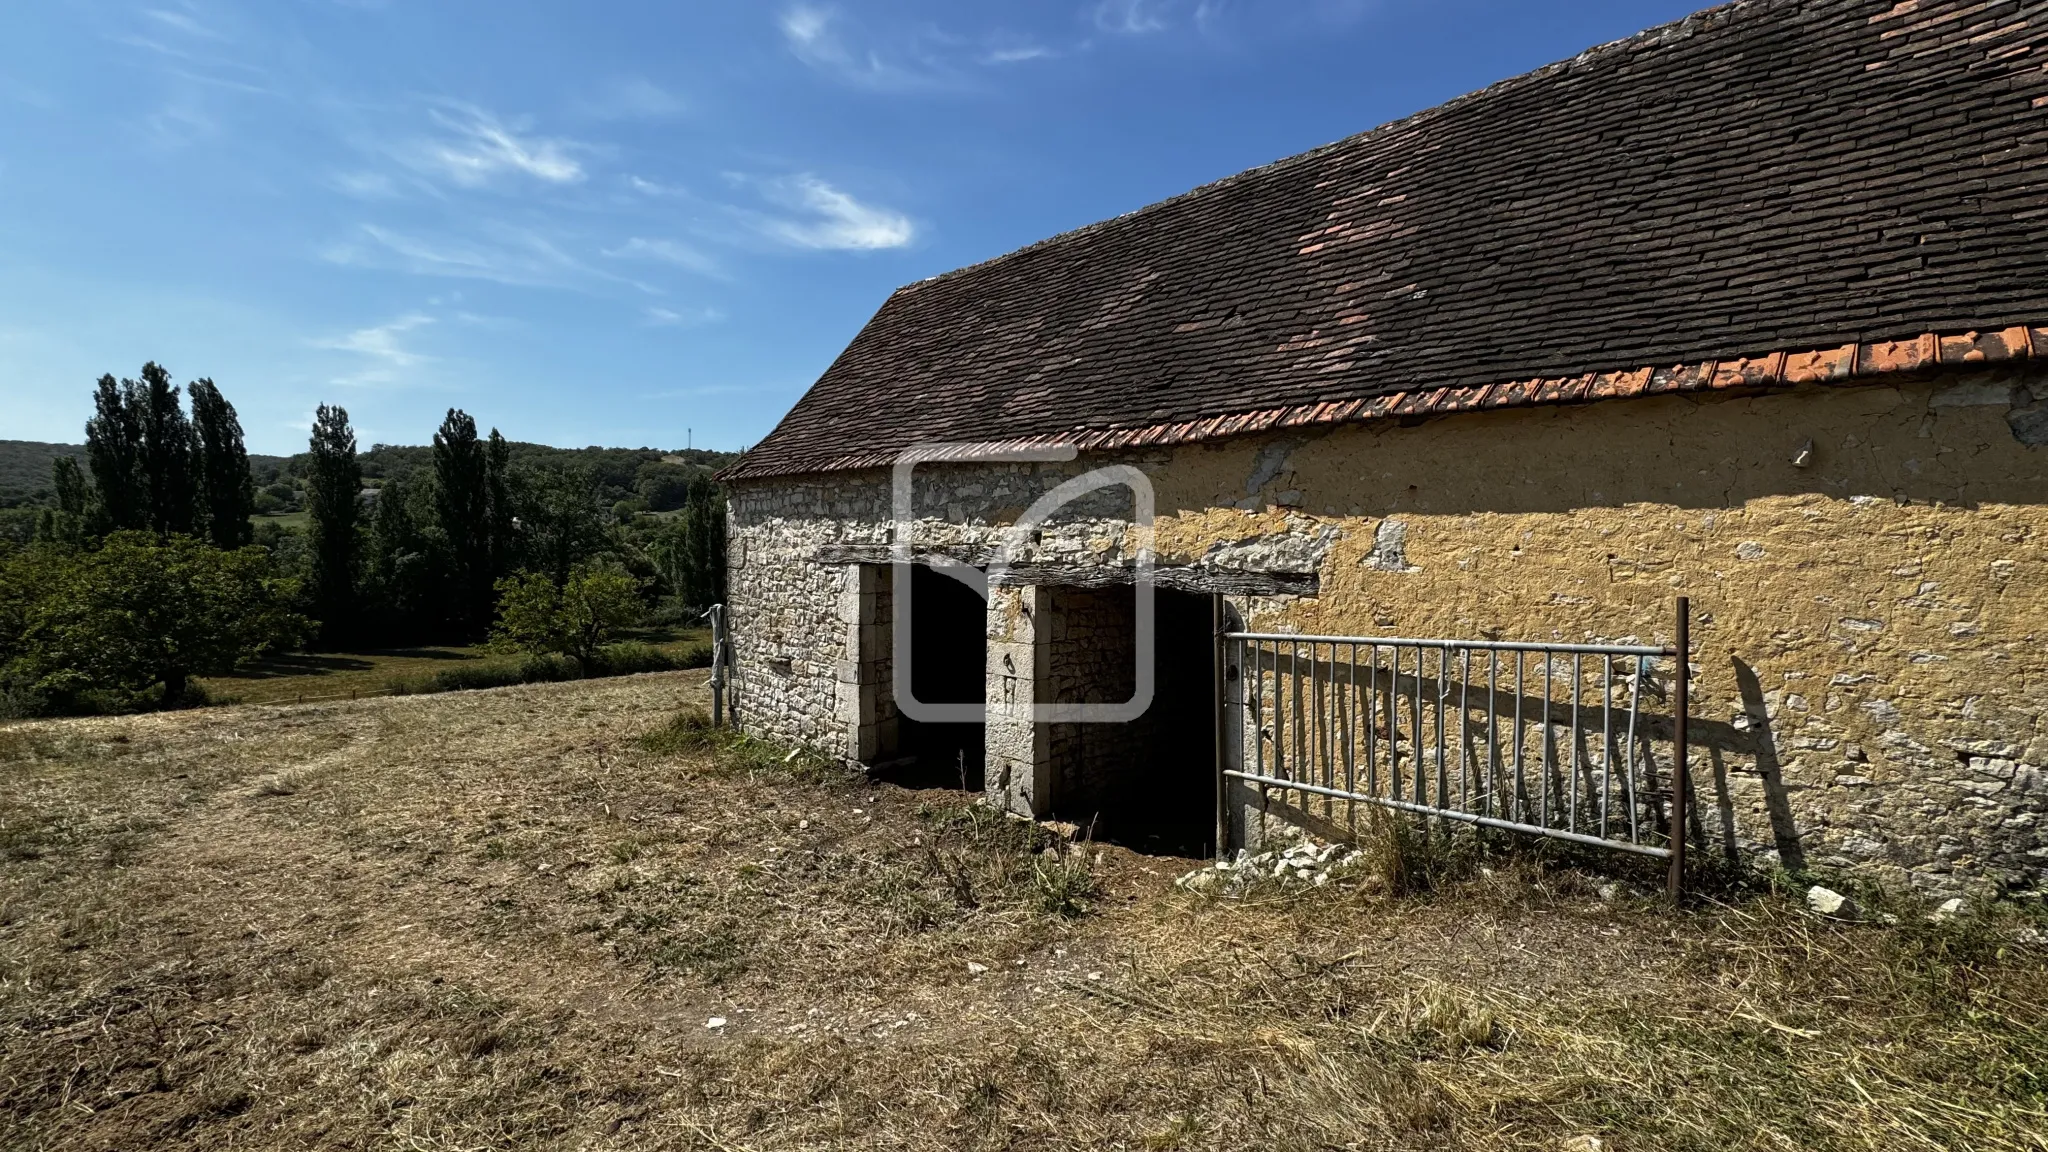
[
  {"x": 730, "y": 751},
  {"x": 687, "y": 731},
  {"x": 1063, "y": 883}
]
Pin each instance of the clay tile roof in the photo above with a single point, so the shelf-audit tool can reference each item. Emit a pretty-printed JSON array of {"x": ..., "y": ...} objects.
[{"x": 1763, "y": 192}]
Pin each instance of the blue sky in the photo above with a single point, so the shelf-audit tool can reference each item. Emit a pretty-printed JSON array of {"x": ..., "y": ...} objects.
[{"x": 623, "y": 222}]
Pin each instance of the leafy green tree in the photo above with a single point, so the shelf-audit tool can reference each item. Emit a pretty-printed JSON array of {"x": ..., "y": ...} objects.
[
  {"x": 134, "y": 620},
  {"x": 227, "y": 491},
  {"x": 113, "y": 447},
  {"x": 665, "y": 487},
  {"x": 333, "y": 500},
  {"x": 167, "y": 455},
  {"x": 691, "y": 553},
  {"x": 561, "y": 522},
  {"x": 69, "y": 522},
  {"x": 576, "y": 618},
  {"x": 462, "y": 503},
  {"x": 407, "y": 561}
]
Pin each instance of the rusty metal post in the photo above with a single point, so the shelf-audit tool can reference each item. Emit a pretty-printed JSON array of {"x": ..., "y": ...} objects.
[
  {"x": 717, "y": 615},
  {"x": 1681, "y": 772},
  {"x": 1219, "y": 618}
]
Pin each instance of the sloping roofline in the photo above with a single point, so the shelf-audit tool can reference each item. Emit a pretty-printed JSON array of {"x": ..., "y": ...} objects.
[{"x": 1053, "y": 342}]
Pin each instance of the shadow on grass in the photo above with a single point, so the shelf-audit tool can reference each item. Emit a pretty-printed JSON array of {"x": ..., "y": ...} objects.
[
  {"x": 285, "y": 665},
  {"x": 299, "y": 664}
]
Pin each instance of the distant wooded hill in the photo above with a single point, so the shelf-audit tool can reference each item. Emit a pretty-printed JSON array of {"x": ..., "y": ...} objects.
[
  {"x": 25, "y": 465},
  {"x": 25, "y": 470}
]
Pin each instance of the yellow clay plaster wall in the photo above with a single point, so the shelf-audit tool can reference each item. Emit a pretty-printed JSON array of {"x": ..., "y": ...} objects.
[{"x": 1868, "y": 624}]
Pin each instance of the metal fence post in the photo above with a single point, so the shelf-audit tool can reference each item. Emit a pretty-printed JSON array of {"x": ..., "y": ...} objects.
[
  {"x": 718, "y": 647},
  {"x": 1681, "y": 771},
  {"x": 1219, "y": 618}
]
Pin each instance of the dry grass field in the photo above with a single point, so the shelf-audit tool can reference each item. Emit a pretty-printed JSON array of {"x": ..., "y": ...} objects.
[{"x": 504, "y": 920}]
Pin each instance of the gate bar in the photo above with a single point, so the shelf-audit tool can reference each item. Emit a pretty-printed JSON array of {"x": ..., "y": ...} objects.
[
  {"x": 1675, "y": 852},
  {"x": 1448, "y": 814},
  {"x": 1478, "y": 645}
]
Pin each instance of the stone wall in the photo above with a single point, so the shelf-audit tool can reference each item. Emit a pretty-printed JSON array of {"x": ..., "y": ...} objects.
[
  {"x": 1091, "y": 660},
  {"x": 1868, "y": 567}
]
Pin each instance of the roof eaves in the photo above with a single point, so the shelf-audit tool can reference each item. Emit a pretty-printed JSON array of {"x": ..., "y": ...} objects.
[{"x": 1848, "y": 364}]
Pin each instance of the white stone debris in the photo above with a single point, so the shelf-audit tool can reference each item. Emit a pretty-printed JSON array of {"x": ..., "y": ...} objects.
[
  {"x": 1828, "y": 902},
  {"x": 715, "y": 1022},
  {"x": 1949, "y": 910},
  {"x": 1305, "y": 864}
]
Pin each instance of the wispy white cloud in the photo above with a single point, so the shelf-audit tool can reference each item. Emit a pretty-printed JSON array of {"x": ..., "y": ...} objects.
[
  {"x": 1016, "y": 54},
  {"x": 809, "y": 32},
  {"x": 830, "y": 218},
  {"x": 226, "y": 82},
  {"x": 479, "y": 148},
  {"x": 648, "y": 187},
  {"x": 818, "y": 37},
  {"x": 184, "y": 21},
  {"x": 692, "y": 318},
  {"x": 632, "y": 98},
  {"x": 666, "y": 252},
  {"x": 1131, "y": 17},
  {"x": 921, "y": 58},
  {"x": 381, "y": 341},
  {"x": 386, "y": 359},
  {"x": 364, "y": 185},
  {"x": 177, "y": 125},
  {"x": 506, "y": 255}
]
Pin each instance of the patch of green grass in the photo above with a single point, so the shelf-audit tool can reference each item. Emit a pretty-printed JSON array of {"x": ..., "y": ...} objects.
[
  {"x": 728, "y": 750},
  {"x": 296, "y": 676}
]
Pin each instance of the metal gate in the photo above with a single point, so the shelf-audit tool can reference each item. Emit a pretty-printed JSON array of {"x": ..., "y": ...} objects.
[{"x": 1543, "y": 739}]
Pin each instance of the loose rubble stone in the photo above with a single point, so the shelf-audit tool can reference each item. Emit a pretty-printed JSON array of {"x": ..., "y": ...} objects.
[
  {"x": 1305, "y": 864},
  {"x": 1829, "y": 902}
]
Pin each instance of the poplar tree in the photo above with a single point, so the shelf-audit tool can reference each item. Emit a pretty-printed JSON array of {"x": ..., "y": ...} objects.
[
  {"x": 333, "y": 492},
  {"x": 167, "y": 465},
  {"x": 113, "y": 449},
  {"x": 702, "y": 565},
  {"x": 504, "y": 547},
  {"x": 462, "y": 504},
  {"x": 227, "y": 491}
]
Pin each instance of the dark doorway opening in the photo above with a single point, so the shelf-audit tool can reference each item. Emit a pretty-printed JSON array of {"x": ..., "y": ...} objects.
[
  {"x": 1149, "y": 784},
  {"x": 948, "y": 665}
]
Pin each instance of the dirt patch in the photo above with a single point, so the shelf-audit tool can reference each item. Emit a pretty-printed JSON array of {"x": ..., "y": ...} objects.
[{"x": 494, "y": 919}]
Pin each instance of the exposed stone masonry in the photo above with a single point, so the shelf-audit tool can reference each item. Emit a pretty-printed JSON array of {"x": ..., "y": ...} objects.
[{"x": 1868, "y": 566}]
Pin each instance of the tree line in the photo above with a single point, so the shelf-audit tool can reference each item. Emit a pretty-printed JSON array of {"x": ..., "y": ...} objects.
[{"x": 468, "y": 545}]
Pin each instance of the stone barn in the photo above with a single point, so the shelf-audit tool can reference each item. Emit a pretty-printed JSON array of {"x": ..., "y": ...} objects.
[{"x": 1369, "y": 478}]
